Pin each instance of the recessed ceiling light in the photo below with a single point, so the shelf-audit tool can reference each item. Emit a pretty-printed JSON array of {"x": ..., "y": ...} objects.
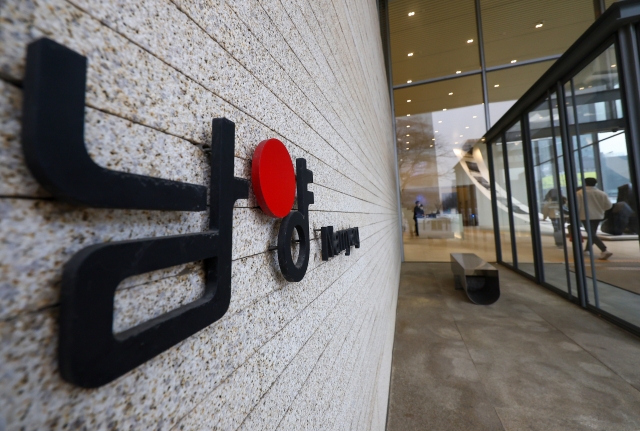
[
  {"x": 436, "y": 131},
  {"x": 408, "y": 134},
  {"x": 407, "y": 142},
  {"x": 408, "y": 115},
  {"x": 412, "y": 13},
  {"x": 540, "y": 24},
  {"x": 450, "y": 94},
  {"x": 458, "y": 71},
  {"x": 497, "y": 85},
  {"x": 410, "y": 54},
  {"x": 466, "y": 127},
  {"x": 409, "y": 81},
  {"x": 475, "y": 116},
  {"x": 440, "y": 121},
  {"x": 513, "y": 61},
  {"x": 408, "y": 126},
  {"x": 433, "y": 139},
  {"x": 461, "y": 136},
  {"x": 431, "y": 145},
  {"x": 444, "y": 109},
  {"x": 456, "y": 143},
  {"x": 407, "y": 148},
  {"x": 581, "y": 88},
  {"x": 613, "y": 65},
  {"x": 408, "y": 100},
  {"x": 469, "y": 40}
]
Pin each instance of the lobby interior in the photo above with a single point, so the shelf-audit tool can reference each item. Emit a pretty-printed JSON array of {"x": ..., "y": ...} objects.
[{"x": 559, "y": 349}]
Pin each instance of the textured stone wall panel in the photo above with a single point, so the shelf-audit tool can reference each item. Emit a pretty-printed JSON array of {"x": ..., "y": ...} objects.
[{"x": 309, "y": 355}]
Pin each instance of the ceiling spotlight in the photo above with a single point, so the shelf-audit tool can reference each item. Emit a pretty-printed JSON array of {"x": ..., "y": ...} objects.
[
  {"x": 456, "y": 143},
  {"x": 444, "y": 109},
  {"x": 407, "y": 148},
  {"x": 431, "y": 145},
  {"x": 470, "y": 41},
  {"x": 540, "y": 24},
  {"x": 497, "y": 85},
  {"x": 408, "y": 115},
  {"x": 408, "y": 134},
  {"x": 407, "y": 142},
  {"x": 613, "y": 65},
  {"x": 475, "y": 116},
  {"x": 408, "y": 126},
  {"x": 440, "y": 121},
  {"x": 458, "y": 71},
  {"x": 408, "y": 100},
  {"x": 410, "y": 54},
  {"x": 461, "y": 136},
  {"x": 433, "y": 139},
  {"x": 436, "y": 131},
  {"x": 513, "y": 61},
  {"x": 409, "y": 81},
  {"x": 450, "y": 94},
  {"x": 466, "y": 127},
  {"x": 581, "y": 88},
  {"x": 412, "y": 13}
]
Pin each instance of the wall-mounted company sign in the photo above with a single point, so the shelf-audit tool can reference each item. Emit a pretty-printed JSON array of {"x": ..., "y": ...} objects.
[{"x": 90, "y": 354}]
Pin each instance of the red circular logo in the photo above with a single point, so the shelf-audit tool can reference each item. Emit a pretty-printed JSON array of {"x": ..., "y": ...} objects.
[{"x": 273, "y": 178}]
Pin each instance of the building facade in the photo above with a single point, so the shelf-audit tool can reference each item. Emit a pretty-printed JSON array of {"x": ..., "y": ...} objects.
[{"x": 312, "y": 354}]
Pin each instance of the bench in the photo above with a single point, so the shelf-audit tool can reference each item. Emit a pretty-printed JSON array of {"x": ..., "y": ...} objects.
[{"x": 479, "y": 279}]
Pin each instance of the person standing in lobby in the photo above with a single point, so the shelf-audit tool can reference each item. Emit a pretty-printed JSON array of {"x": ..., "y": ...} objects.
[
  {"x": 417, "y": 213},
  {"x": 597, "y": 203}
]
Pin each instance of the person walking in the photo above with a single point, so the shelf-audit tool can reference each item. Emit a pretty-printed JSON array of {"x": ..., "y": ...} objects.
[
  {"x": 551, "y": 209},
  {"x": 417, "y": 213},
  {"x": 597, "y": 203}
]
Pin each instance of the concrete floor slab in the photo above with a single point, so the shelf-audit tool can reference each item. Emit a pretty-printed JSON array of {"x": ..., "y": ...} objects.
[{"x": 531, "y": 361}]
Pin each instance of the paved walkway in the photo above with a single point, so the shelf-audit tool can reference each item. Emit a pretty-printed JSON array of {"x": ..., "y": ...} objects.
[{"x": 532, "y": 361}]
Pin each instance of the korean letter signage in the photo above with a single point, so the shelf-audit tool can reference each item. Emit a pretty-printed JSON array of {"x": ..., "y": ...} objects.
[{"x": 90, "y": 354}]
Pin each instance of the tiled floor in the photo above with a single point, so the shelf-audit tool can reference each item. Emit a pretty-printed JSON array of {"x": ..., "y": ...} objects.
[{"x": 531, "y": 361}]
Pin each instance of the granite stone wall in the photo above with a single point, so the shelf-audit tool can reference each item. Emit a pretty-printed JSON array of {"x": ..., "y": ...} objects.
[{"x": 309, "y": 355}]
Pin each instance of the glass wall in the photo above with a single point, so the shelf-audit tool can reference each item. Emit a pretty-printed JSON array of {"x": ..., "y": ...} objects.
[
  {"x": 444, "y": 177},
  {"x": 439, "y": 94},
  {"x": 606, "y": 207},
  {"x": 566, "y": 185}
]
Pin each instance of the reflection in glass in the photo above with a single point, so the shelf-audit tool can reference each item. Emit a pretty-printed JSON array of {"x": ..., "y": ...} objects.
[
  {"x": 551, "y": 193},
  {"x": 519, "y": 205},
  {"x": 522, "y": 30},
  {"x": 443, "y": 167},
  {"x": 599, "y": 146},
  {"x": 437, "y": 36},
  {"x": 506, "y": 86},
  {"x": 502, "y": 203}
]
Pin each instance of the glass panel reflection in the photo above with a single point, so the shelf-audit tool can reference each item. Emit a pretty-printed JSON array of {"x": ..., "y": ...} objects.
[
  {"x": 551, "y": 193},
  {"x": 519, "y": 205},
  {"x": 506, "y": 86},
  {"x": 444, "y": 178},
  {"x": 502, "y": 203},
  {"x": 606, "y": 208}
]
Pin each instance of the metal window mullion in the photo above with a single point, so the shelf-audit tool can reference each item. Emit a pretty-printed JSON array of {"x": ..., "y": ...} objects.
[
  {"x": 534, "y": 222},
  {"x": 507, "y": 180},
  {"x": 494, "y": 203},
  {"x": 570, "y": 176},
  {"x": 483, "y": 66},
  {"x": 559, "y": 189},
  {"x": 584, "y": 199}
]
